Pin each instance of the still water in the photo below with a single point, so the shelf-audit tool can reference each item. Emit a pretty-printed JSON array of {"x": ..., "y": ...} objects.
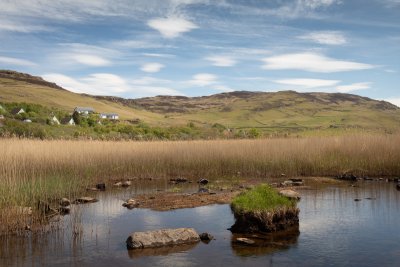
[{"x": 334, "y": 230}]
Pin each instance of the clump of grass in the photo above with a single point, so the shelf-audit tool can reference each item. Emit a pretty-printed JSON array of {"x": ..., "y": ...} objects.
[{"x": 260, "y": 199}]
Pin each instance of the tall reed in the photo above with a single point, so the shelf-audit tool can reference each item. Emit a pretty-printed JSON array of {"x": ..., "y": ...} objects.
[{"x": 31, "y": 169}]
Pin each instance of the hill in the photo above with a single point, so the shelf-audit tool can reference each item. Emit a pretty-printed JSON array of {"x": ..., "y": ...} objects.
[{"x": 279, "y": 112}]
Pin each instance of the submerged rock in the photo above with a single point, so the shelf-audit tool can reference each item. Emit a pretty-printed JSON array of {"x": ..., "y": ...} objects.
[
  {"x": 290, "y": 194},
  {"x": 83, "y": 200},
  {"x": 202, "y": 181},
  {"x": 101, "y": 186},
  {"x": 206, "y": 237},
  {"x": 245, "y": 241},
  {"x": 178, "y": 180},
  {"x": 126, "y": 183},
  {"x": 163, "y": 237},
  {"x": 131, "y": 203},
  {"x": 118, "y": 184}
]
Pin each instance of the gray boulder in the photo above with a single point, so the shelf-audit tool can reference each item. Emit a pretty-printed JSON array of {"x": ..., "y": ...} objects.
[{"x": 163, "y": 237}]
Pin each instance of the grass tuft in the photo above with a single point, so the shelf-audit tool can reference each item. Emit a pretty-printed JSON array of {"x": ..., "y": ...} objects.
[{"x": 260, "y": 199}]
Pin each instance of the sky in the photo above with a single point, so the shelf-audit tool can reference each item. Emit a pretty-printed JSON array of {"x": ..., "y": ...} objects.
[{"x": 141, "y": 48}]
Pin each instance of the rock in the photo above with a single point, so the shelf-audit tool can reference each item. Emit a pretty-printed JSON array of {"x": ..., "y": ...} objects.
[
  {"x": 206, "y": 237},
  {"x": 83, "y": 200},
  {"x": 64, "y": 202},
  {"x": 131, "y": 203},
  {"x": 370, "y": 198},
  {"x": 92, "y": 189},
  {"x": 178, "y": 180},
  {"x": 283, "y": 175},
  {"x": 203, "y": 190},
  {"x": 347, "y": 176},
  {"x": 297, "y": 183},
  {"x": 296, "y": 180},
  {"x": 290, "y": 194},
  {"x": 118, "y": 184},
  {"x": 287, "y": 183},
  {"x": 366, "y": 178},
  {"x": 126, "y": 183},
  {"x": 274, "y": 185},
  {"x": 101, "y": 186},
  {"x": 357, "y": 199},
  {"x": 27, "y": 228},
  {"x": 202, "y": 181},
  {"x": 244, "y": 241},
  {"x": 398, "y": 186},
  {"x": 163, "y": 237}
]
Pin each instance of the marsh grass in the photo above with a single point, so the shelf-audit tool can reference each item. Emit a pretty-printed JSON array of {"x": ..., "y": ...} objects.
[
  {"x": 32, "y": 170},
  {"x": 262, "y": 198}
]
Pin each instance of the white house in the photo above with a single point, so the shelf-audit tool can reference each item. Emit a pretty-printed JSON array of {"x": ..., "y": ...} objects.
[
  {"x": 54, "y": 120},
  {"x": 110, "y": 116},
  {"x": 16, "y": 111},
  {"x": 27, "y": 121},
  {"x": 84, "y": 110},
  {"x": 68, "y": 121}
]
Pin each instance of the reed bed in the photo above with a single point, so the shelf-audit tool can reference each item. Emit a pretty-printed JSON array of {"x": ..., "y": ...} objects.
[{"x": 32, "y": 169}]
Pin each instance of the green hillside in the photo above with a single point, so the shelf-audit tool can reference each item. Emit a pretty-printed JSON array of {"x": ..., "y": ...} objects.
[{"x": 235, "y": 113}]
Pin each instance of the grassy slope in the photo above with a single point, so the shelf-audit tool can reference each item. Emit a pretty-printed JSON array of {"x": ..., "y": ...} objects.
[
  {"x": 20, "y": 91},
  {"x": 270, "y": 112}
]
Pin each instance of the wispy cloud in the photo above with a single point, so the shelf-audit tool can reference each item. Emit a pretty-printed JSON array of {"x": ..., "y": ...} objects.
[
  {"x": 203, "y": 79},
  {"x": 16, "y": 62},
  {"x": 325, "y": 37},
  {"x": 83, "y": 54},
  {"x": 222, "y": 61},
  {"x": 308, "y": 83},
  {"x": 223, "y": 88},
  {"x": 110, "y": 84},
  {"x": 353, "y": 87},
  {"x": 312, "y": 62},
  {"x": 152, "y": 67},
  {"x": 171, "y": 27}
]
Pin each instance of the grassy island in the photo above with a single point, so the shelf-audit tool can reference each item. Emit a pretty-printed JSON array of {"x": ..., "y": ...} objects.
[{"x": 262, "y": 209}]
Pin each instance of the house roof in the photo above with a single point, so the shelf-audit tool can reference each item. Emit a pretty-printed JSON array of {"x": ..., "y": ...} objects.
[
  {"x": 16, "y": 110},
  {"x": 66, "y": 120},
  {"x": 82, "y": 109},
  {"x": 109, "y": 114}
]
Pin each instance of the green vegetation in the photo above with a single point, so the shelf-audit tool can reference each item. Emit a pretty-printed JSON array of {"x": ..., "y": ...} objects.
[
  {"x": 235, "y": 115},
  {"x": 261, "y": 198}
]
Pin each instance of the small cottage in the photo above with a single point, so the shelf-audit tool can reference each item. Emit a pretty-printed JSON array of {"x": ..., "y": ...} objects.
[
  {"x": 27, "y": 121},
  {"x": 68, "y": 121},
  {"x": 16, "y": 111},
  {"x": 110, "y": 116},
  {"x": 84, "y": 110}
]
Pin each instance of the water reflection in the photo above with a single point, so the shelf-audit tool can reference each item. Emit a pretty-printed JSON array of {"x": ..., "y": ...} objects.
[
  {"x": 162, "y": 251},
  {"x": 265, "y": 243},
  {"x": 335, "y": 230}
]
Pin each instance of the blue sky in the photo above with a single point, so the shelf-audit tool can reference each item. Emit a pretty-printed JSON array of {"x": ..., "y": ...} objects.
[{"x": 144, "y": 48}]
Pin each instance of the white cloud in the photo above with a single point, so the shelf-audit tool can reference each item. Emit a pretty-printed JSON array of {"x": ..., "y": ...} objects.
[
  {"x": 89, "y": 60},
  {"x": 203, "y": 79},
  {"x": 313, "y": 4},
  {"x": 353, "y": 87},
  {"x": 308, "y": 83},
  {"x": 171, "y": 27},
  {"x": 95, "y": 84},
  {"x": 17, "y": 62},
  {"x": 395, "y": 101},
  {"x": 152, "y": 67},
  {"x": 325, "y": 37},
  {"x": 111, "y": 84},
  {"x": 312, "y": 62},
  {"x": 8, "y": 25},
  {"x": 158, "y": 55},
  {"x": 223, "y": 88},
  {"x": 222, "y": 61},
  {"x": 83, "y": 54}
]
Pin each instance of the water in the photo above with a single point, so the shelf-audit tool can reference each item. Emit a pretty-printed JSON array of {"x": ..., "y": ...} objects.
[{"x": 334, "y": 230}]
